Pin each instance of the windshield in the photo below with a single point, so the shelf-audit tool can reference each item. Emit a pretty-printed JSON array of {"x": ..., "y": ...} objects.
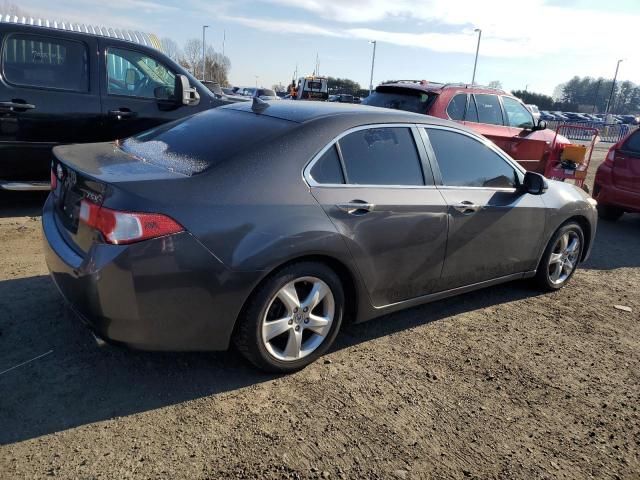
[{"x": 409, "y": 100}]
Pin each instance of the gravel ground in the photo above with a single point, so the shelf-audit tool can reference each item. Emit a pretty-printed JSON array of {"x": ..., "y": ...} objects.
[{"x": 500, "y": 383}]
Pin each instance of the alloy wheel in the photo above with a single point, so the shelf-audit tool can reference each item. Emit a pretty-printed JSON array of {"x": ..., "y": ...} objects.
[
  {"x": 564, "y": 257},
  {"x": 298, "y": 318}
]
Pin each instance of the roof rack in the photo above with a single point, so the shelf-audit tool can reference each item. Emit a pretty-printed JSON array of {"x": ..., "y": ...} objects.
[
  {"x": 141, "y": 38},
  {"x": 443, "y": 85}
]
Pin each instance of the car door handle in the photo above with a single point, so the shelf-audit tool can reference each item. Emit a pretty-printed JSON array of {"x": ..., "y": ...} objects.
[
  {"x": 119, "y": 114},
  {"x": 467, "y": 208},
  {"x": 12, "y": 106},
  {"x": 356, "y": 207}
]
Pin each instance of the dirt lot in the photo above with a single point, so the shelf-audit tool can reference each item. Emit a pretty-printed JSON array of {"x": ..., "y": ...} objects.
[{"x": 501, "y": 383}]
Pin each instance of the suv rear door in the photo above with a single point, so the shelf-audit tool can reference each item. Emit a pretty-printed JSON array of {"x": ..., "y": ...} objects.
[
  {"x": 626, "y": 165},
  {"x": 48, "y": 95},
  {"x": 484, "y": 115}
]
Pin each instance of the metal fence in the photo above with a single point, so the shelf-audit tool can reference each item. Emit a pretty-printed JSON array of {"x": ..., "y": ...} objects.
[{"x": 609, "y": 133}]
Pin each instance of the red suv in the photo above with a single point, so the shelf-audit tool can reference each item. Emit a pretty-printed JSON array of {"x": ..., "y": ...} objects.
[
  {"x": 617, "y": 184},
  {"x": 494, "y": 113}
]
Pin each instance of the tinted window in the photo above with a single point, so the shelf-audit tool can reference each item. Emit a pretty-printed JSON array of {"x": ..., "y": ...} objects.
[
  {"x": 327, "y": 169},
  {"x": 489, "y": 110},
  {"x": 135, "y": 74},
  {"x": 409, "y": 100},
  {"x": 192, "y": 144},
  {"x": 466, "y": 162},
  {"x": 37, "y": 61},
  {"x": 457, "y": 106},
  {"x": 381, "y": 156},
  {"x": 633, "y": 143},
  {"x": 265, "y": 92},
  {"x": 517, "y": 113},
  {"x": 472, "y": 111}
]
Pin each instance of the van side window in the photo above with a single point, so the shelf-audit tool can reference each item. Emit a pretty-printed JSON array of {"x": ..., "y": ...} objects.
[
  {"x": 45, "y": 62},
  {"x": 135, "y": 74}
]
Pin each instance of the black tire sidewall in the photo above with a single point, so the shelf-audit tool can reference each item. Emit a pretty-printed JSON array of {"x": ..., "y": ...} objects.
[
  {"x": 542, "y": 275},
  {"x": 250, "y": 332}
]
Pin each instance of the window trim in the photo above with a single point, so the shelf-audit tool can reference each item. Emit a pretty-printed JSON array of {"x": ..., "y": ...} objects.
[
  {"x": 487, "y": 143},
  {"x": 53, "y": 38},
  {"x": 414, "y": 128},
  {"x": 143, "y": 52}
]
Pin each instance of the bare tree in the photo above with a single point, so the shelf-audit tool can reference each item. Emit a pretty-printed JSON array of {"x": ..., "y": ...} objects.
[
  {"x": 217, "y": 66},
  {"x": 193, "y": 56},
  {"x": 495, "y": 84},
  {"x": 171, "y": 49}
]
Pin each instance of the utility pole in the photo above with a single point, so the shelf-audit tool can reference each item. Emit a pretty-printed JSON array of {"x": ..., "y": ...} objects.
[
  {"x": 613, "y": 87},
  {"x": 203, "y": 55},
  {"x": 373, "y": 61},
  {"x": 475, "y": 63}
]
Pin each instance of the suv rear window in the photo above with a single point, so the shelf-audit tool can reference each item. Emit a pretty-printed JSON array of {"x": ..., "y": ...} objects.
[
  {"x": 46, "y": 62},
  {"x": 401, "y": 99},
  {"x": 193, "y": 144}
]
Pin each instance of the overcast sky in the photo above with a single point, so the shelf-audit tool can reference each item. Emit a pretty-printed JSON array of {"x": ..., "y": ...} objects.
[{"x": 538, "y": 43}]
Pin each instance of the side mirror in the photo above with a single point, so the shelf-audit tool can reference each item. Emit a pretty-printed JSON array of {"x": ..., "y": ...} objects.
[
  {"x": 542, "y": 125},
  {"x": 534, "y": 183},
  {"x": 185, "y": 94}
]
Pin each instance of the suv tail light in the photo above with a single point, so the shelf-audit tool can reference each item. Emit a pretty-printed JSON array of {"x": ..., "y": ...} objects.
[
  {"x": 126, "y": 227},
  {"x": 610, "y": 156}
]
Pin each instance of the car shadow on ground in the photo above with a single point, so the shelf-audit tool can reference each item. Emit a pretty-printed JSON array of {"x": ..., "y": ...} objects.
[
  {"x": 80, "y": 383},
  {"x": 617, "y": 244},
  {"x": 21, "y": 204}
]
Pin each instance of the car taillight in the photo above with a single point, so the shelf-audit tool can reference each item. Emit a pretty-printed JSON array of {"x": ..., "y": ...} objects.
[
  {"x": 126, "y": 227},
  {"x": 54, "y": 180},
  {"x": 610, "y": 156}
]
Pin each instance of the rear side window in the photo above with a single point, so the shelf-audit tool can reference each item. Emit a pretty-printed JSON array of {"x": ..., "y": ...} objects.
[
  {"x": 457, "y": 106},
  {"x": 327, "y": 169},
  {"x": 193, "y": 144},
  {"x": 381, "y": 156},
  {"x": 633, "y": 143},
  {"x": 46, "y": 62},
  {"x": 489, "y": 110},
  {"x": 466, "y": 162}
]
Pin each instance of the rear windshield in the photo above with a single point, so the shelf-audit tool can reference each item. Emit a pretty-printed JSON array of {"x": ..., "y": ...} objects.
[
  {"x": 191, "y": 145},
  {"x": 401, "y": 99}
]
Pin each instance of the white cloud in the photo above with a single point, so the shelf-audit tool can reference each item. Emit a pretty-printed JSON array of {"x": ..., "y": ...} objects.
[{"x": 280, "y": 26}]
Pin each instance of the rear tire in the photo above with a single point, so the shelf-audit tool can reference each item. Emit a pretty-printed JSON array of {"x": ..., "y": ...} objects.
[
  {"x": 608, "y": 212},
  {"x": 292, "y": 318},
  {"x": 561, "y": 257}
]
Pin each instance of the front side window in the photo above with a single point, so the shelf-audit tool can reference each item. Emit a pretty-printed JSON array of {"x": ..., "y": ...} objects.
[
  {"x": 381, "y": 156},
  {"x": 46, "y": 62},
  {"x": 457, "y": 107},
  {"x": 135, "y": 74},
  {"x": 517, "y": 114},
  {"x": 467, "y": 162},
  {"x": 489, "y": 110}
]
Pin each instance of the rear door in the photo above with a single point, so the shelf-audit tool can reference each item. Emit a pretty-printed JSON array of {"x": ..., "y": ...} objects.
[
  {"x": 132, "y": 83},
  {"x": 527, "y": 147},
  {"x": 494, "y": 230},
  {"x": 626, "y": 165},
  {"x": 484, "y": 115},
  {"x": 375, "y": 186},
  {"x": 48, "y": 96}
]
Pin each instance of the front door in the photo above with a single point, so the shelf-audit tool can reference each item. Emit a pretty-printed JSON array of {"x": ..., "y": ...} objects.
[
  {"x": 378, "y": 191},
  {"x": 527, "y": 147},
  {"x": 48, "y": 96},
  {"x": 494, "y": 230},
  {"x": 626, "y": 165}
]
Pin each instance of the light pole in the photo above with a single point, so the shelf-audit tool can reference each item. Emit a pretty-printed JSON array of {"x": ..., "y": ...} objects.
[
  {"x": 257, "y": 76},
  {"x": 613, "y": 87},
  {"x": 203, "y": 55},
  {"x": 475, "y": 63},
  {"x": 373, "y": 61}
]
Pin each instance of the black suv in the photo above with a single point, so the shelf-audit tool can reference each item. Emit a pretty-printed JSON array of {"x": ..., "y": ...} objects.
[{"x": 62, "y": 86}]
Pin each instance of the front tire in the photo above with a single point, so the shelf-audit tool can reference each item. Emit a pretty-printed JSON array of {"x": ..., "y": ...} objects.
[
  {"x": 561, "y": 257},
  {"x": 292, "y": 318}
]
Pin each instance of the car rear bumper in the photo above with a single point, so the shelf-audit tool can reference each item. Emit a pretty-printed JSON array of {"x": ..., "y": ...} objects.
[
  {"x": 607, "y": 194},
  {"x": 168, "y": 293}
]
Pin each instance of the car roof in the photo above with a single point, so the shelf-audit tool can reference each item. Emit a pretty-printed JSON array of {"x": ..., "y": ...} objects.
[
  {"x": 301, "y": 111},
  {"x": 436, "y": 87}
]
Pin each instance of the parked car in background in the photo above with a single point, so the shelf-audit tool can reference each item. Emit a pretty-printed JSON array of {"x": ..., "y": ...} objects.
[
  {"x": 60, "y": 86},
  {"x": 629, "y": 119},
  {"x": 617, "y": 182},
  {"x": 219, "y": 92},
  {"x": 261, "y": 93},
  {"x": 342, "y": 98},
  {"x": 494, "y": 113},
  {"x": 560, "y": 116},
  {"x": 293, "y": 216},
  {"x": 547, "y": 116},
  {"x": 534, "y": 111}
]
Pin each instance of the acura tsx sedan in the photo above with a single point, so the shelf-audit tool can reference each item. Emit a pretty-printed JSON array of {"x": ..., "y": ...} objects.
[{"x": 267, "y": 225}]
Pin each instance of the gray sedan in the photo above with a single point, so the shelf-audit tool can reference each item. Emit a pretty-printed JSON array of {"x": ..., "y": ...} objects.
[{"x": 267, "y": 225}]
